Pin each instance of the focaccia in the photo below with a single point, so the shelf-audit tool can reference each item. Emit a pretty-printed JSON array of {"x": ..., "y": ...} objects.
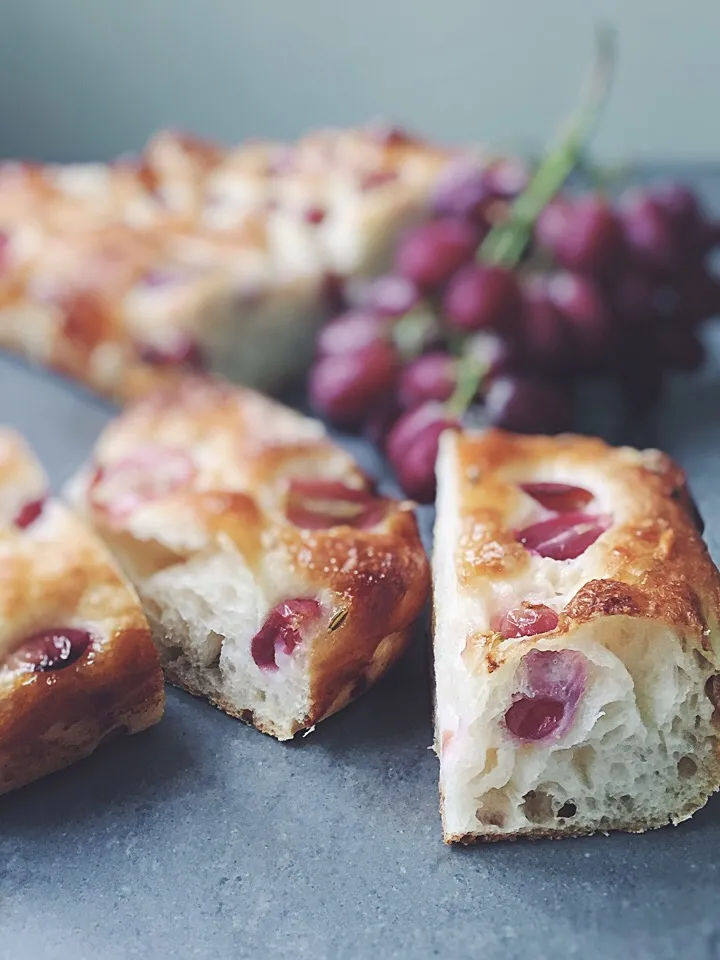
[
  {"x": 277, "y": 583},
  {"x": 77, "y": 663},
  {"x": 125, "y": 311},
  {"x": 191, "y": 255},
  {"x": 576, "y": 649}
]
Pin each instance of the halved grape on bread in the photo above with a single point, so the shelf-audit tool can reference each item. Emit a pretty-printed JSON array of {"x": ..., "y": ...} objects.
[
  {"x": 77, "y": 663},
  {"x": 577, "y": 658},
  {"x": 278, "y": 584}
]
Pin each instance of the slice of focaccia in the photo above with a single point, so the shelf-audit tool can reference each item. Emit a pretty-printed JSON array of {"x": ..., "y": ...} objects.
[
  {"x": 126, "y": 275},
  {"x": 577, "y": 657},
  {"x": 278, "y": 585},
  {"x": 77, "y": 663},
  {"x": 124, "y": 310}
]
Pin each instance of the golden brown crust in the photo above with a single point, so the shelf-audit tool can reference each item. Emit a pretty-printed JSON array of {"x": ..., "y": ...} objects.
[
  {"x": 618, "y": 826},
  {"x": 382, "y": 590},
  {"x": 246, "y": 451},
  {"x": 705, "y": 788},
  {"x": 648, "y": 563},
  {"x": 653, "y": 560},
  {"x": 55, "y": 574},
  {"x": 345, "y": 688},
  {"x": 88, "y": 245},
  {"x": 50, "y": 720}
]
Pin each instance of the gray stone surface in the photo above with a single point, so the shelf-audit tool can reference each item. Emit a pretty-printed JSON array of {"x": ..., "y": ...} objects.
[{"x": 203, "y": 838}]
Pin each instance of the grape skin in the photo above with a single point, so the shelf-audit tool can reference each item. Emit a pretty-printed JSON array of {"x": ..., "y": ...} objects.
[{"x": 622, "y": 292}]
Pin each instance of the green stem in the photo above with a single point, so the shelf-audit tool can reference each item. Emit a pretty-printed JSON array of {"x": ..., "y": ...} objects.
[
  {"x": 505, "y": 243},
  {"x": 470, "y": 371}
]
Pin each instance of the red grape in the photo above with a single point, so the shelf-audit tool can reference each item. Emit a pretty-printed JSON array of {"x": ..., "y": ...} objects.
[
  {"x": 381, "y": 418},
  {"x": 578, "y": 299},
  {"x": 626, "y": 297},
  {"x": 506, "y": 178},
  {"x": 527, "y": 620},
  {"x": 682, "y": 207},
  {"x": 283, "y": 630},
  {"x": 583, "y": 234},
  {"x": 184, "y": 352},
  {"x": 321, "y": 504},
  {"x": 391, "y": 296},
  {"x": 432, "y": 252},
  {"x": 483, "y": 297},
  {"x": 29, "y": 513},
  {"x": 546, "y": 340},
  {"x": 633, "y": 297},
  {"x": 333, "y": 293},
  {"x": 344, "y": 387},
  {"x": 534, "y": 718},
  {"x": 527, "y": 405},
  {"x": 551, "y": 683},
  {"x": 679, "y": 201},
  {"x": 461, "y": 190},
  {"x": 558, "y": 497},
  {"x": 412, "y": 447},
  {"x": 350, "y": 332},
  {"x": 410, "y": 424},
  {"x": 314, "y": 215},
  {"x": 649, "y": 231},
  {"x": 565, "y": 536},
  {"x": 552, "y": 223},
  {"x": 151, "y": 472},
  {"x": 51, "y": 649},
  {"x": 431, "y": 376},
  {"x": 495, "y": 355}
]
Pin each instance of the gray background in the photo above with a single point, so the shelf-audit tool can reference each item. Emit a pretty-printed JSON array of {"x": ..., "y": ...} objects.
[{"x": 91, "y": 78}]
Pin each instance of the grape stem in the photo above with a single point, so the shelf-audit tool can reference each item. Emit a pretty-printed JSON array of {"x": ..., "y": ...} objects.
[
  {"x": 505, "y": 243},
  {"x": 413, "y": 331},
  {"x": 470, "y": 371}
]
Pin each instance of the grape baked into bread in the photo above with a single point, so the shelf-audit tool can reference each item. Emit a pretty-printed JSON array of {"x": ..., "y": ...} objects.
[
  {"x": 277, "y": 584},
  {"x": 77, "y": 663},
  {"x": 576, "y": 639},
  {"x": 126, "y": 275}
]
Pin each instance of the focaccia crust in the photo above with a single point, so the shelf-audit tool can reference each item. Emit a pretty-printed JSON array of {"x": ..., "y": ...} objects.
[
  {"x": 653, "y": 561},
  {"x": 627, "y": 630},
  {"x": 54, "y": 573},
  {"x": 243, "y": 452},
  {"x": 192, "y": 256}
]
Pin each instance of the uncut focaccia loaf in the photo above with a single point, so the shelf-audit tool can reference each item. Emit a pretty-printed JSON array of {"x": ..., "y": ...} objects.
[
  {"x": 128, "y": 274},
  {"x": 576, "y": 640},
  {"x": 124, "y": 311},
  {"x": 341, "y": 196},
  {"x": 77, "y": 663},
  {"x": 277, "y": 584}
]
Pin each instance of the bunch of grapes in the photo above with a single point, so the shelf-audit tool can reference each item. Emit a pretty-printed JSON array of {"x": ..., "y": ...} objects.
[{"x": 597, "y": 288}]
